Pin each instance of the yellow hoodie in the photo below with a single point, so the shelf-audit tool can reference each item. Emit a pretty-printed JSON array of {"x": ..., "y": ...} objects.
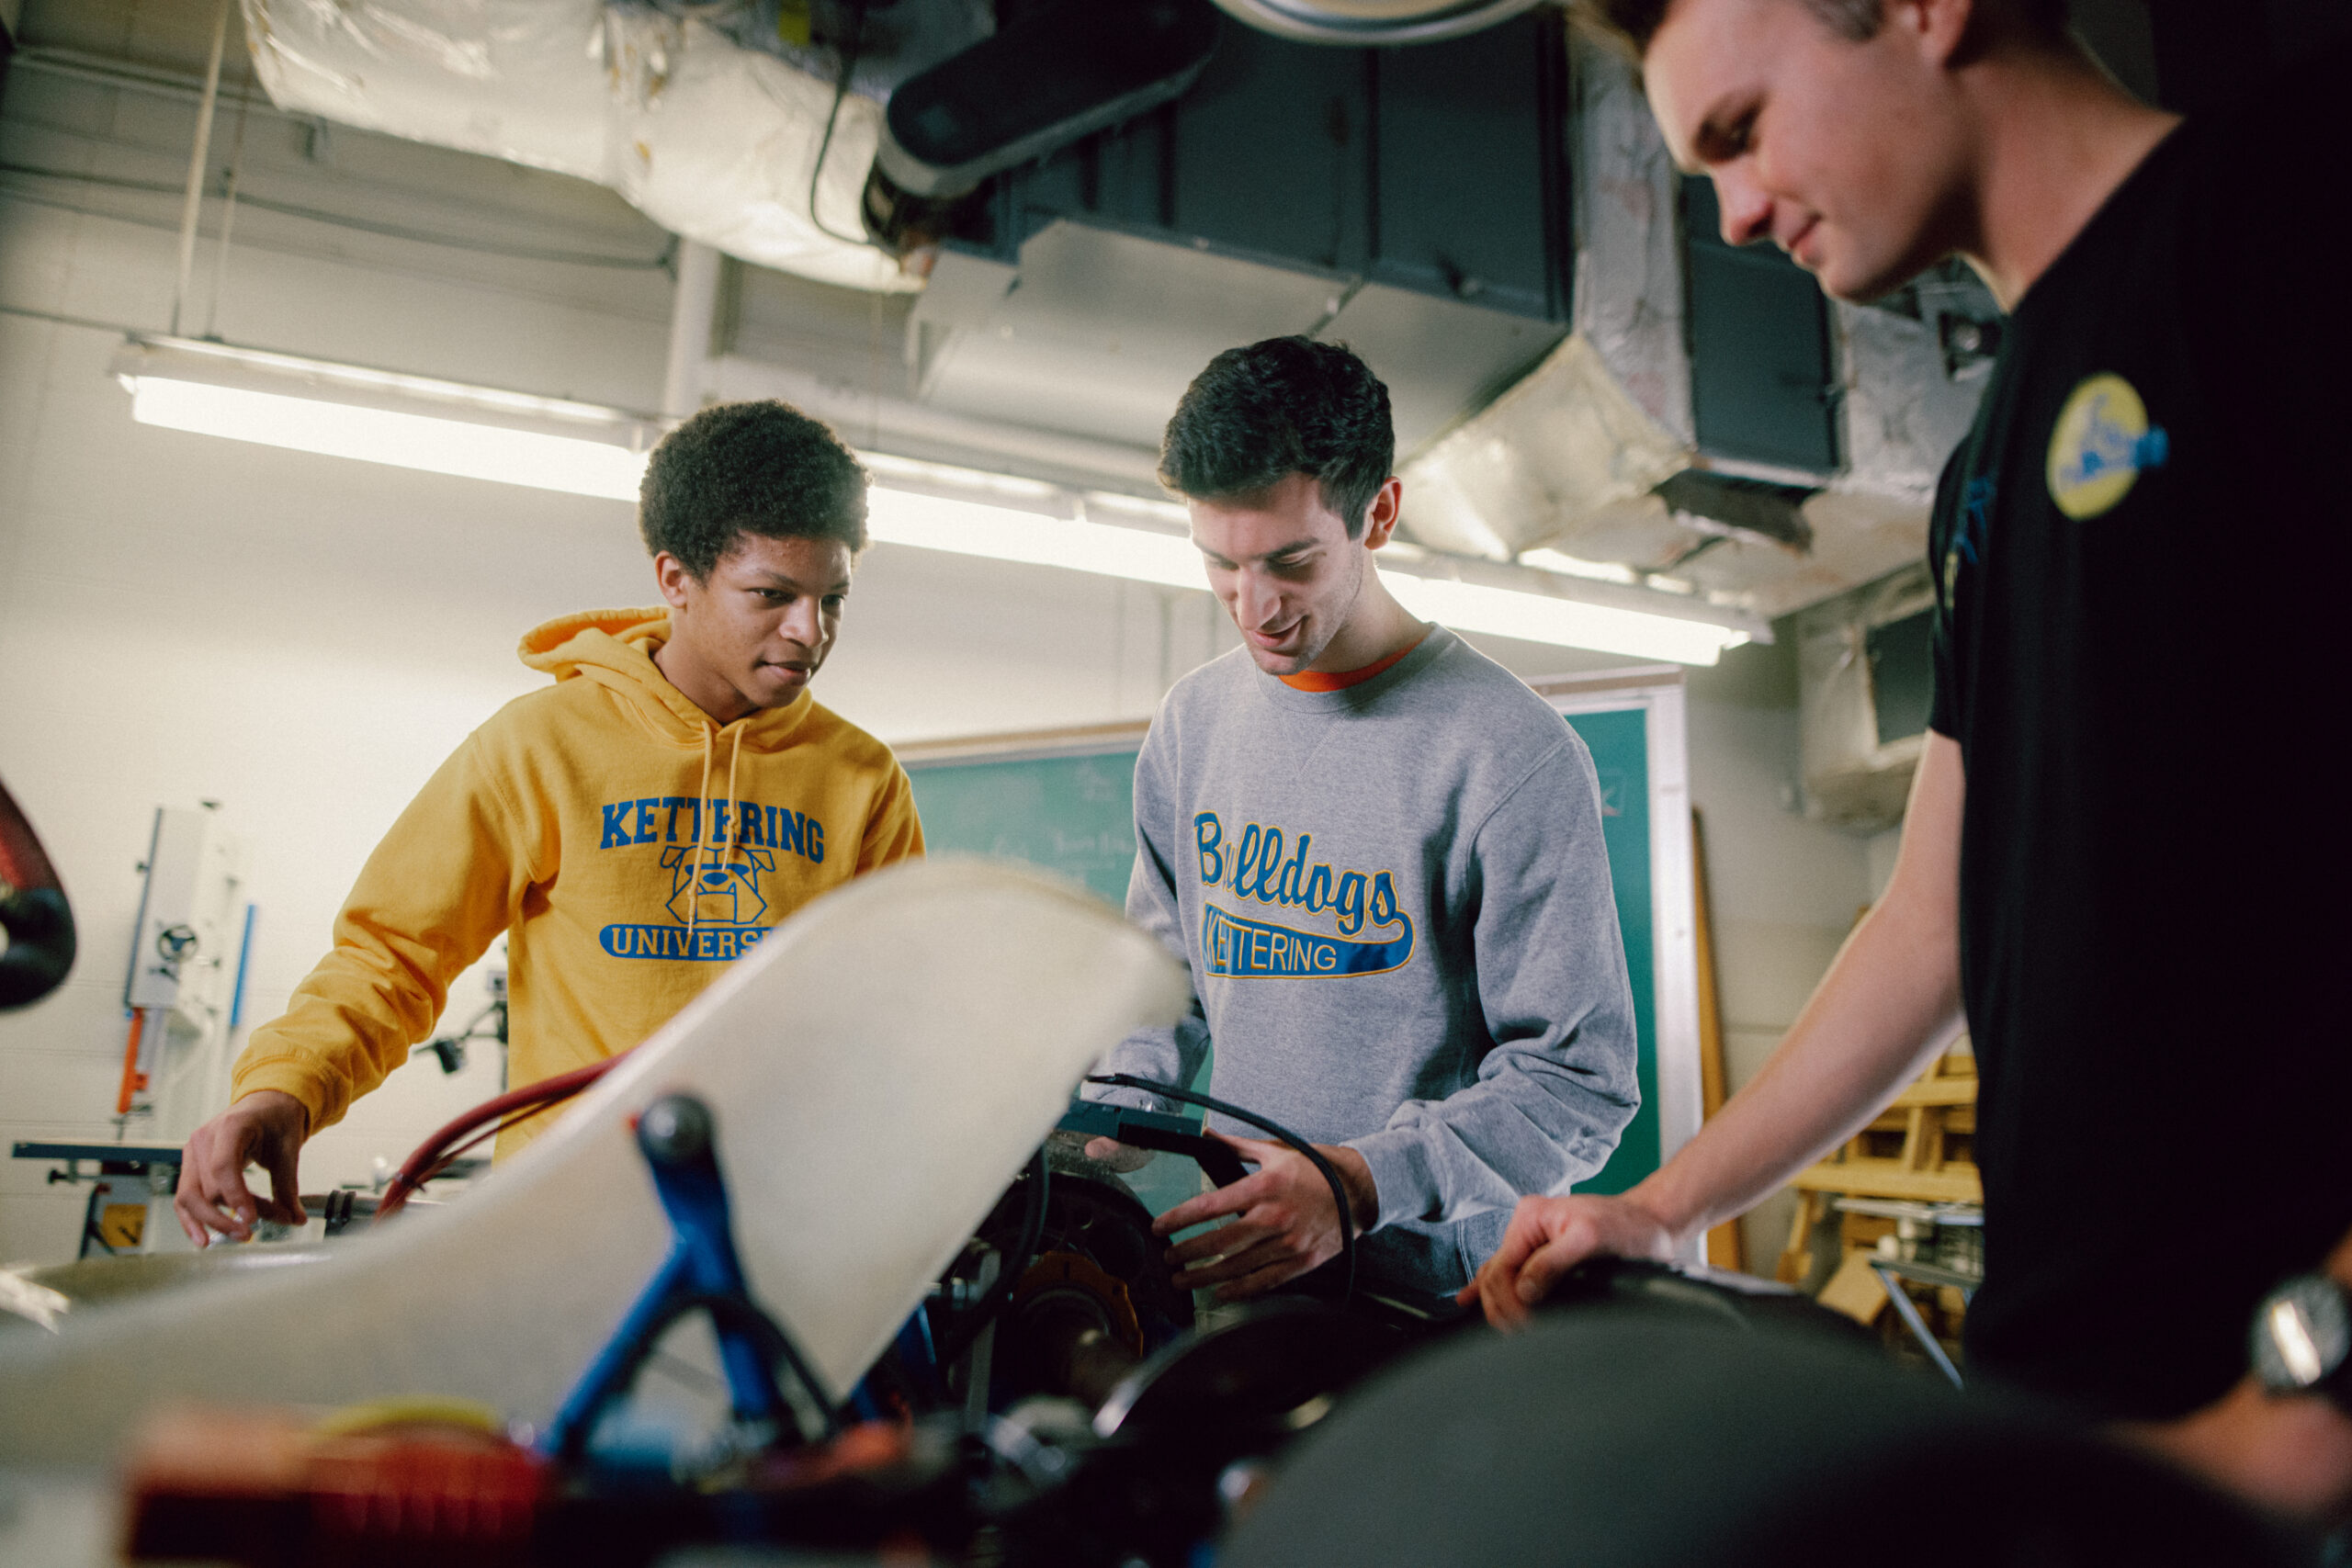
[{"x": 627, "y": 845}]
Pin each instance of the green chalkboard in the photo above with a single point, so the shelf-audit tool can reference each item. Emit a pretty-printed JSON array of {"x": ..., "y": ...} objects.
[
  {"x": 1619, "y": 741},
  {"x": 1076, "y": 815}
]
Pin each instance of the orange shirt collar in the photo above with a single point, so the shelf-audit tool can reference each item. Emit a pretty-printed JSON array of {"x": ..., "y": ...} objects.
[{"x": 1340, "y": 680}]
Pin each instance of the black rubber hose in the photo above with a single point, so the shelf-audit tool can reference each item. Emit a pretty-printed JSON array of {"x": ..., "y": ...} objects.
[
  {"x": 967, "y": 1331},
  {"x": 1283, "y": 1134}
]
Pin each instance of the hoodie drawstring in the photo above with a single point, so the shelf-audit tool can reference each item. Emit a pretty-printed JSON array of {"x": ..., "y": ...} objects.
[
  {"x": 702, "y": 825},
  {"x": 734, "y": 755},
  {"x": 702, "y": 831}
]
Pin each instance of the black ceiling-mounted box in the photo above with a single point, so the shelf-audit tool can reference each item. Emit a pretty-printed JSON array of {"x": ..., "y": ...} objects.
[{"x": 1440, "y": 168}]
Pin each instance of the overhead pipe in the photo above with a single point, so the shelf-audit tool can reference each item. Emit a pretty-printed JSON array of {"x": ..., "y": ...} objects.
[
  {"x": 193, "y": 204},
  {"x": 693, "y": 306}
]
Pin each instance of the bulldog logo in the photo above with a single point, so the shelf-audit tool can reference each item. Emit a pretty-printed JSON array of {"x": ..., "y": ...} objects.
[{"x": 717, "y": 887}]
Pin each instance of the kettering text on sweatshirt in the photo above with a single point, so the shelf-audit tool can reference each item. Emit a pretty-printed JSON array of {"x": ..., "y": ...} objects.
[
  {"x": 1394, "y": 903},
  {"x": 627, "y": 845}
]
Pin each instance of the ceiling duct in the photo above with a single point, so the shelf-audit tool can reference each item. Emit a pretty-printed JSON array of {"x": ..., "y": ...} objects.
[
  {"x": 711, "y": 139},
  {"x": 1405, "y": 201},
  {"x": 1600, "y": 454},
  {"x": 1363, "y": 22},
  {"x": 1058, "y": 74},
  {"x": 1865, "y": 682}
]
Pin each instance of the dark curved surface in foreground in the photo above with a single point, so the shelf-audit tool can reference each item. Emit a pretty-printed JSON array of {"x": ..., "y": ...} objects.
[{"x": 1620, "y": 1436}]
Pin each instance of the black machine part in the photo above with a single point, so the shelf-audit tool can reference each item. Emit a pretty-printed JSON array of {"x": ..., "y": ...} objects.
[
  {"x": 1261, "y": 1369},
  {"x": 1145, "y": 1480},
  {"x": 1062, "y": 71},
  {"x": 1721, "y": 1296},
  {"x": 675, "y": 1130},
  {"x": 35, "y": 922},
  {"x": 1644, "y": 1431},
  {"x": 1089, "y": 1298}
]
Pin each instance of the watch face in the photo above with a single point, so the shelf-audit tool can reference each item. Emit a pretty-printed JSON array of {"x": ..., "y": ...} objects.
[{"x": 2301, "y": 1334}]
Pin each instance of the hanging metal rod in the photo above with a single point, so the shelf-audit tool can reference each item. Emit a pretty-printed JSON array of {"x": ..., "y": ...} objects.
[{"x": 195, "y": 202}]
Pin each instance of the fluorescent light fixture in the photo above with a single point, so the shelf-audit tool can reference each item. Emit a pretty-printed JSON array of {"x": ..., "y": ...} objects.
[
  {"x": 379, "y": 416},
  {"x": 1568, "y": 623},
  {"x": 379, "y": 436},
  {"x": 484, "y": 433},
  {"x": 1573, "y": 565},
  {"x": 999, "y": 533}
]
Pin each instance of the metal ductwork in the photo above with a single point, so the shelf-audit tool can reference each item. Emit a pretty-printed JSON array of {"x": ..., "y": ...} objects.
[
  {"x": 712, "y": 139},
  {"x": 1593, "y": 385},
  {"x": 1055, "y": 75},
  {"x": 719, "y": 125},
  {"x": 1606, "y": 454},
  {"x": 1059, "y": 74}
]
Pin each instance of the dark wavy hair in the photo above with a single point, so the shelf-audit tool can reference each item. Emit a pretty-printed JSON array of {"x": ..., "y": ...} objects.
[
  {"x": 1288, "y": 405},
  {"x": 760, "y": 467},
  {"x": 1631, "y": 24}
]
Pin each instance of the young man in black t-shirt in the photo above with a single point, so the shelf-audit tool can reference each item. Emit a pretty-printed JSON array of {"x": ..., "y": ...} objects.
[{"x": 2122, "y": 862}]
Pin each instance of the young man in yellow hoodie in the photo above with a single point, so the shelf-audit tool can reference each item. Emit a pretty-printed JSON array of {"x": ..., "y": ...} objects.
[{"x": 631, "y": 827}]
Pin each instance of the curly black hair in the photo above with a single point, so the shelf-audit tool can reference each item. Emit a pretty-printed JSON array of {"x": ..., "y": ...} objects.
[
  {"x": 759, "y": 468},
  {"x": 1288, "y": 405}
]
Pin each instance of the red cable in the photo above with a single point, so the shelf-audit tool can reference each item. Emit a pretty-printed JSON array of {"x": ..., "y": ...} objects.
[{"x": 420, "y": 1166}]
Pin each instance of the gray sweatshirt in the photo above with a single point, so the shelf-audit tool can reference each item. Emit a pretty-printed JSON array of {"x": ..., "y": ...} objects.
[{"x": 1395, "y": 904}]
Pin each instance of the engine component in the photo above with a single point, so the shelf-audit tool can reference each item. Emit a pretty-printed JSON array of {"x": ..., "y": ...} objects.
[
  {"x": 1089, "y": 1299},
  {"x": 1145, "y": 1479}
]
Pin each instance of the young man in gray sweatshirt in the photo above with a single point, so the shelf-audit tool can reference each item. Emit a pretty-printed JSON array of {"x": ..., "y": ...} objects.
[{"x": 1380, "y": 855}]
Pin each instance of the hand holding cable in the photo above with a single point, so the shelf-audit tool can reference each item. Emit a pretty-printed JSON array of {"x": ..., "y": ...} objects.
[
  {"x": 1343, "y": 1206},
  {"x": 1284, "y": 1219}
]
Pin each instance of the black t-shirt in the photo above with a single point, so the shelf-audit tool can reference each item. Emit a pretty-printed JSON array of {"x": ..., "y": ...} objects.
[{"x": 2143, "y": 610}]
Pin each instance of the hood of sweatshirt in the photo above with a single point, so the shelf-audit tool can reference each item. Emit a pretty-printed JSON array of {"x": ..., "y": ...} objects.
[{"x": 613, "y": 648}]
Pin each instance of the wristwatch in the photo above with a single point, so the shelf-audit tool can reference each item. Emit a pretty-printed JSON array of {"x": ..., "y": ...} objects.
[{"x": 2302, "y": 1339}]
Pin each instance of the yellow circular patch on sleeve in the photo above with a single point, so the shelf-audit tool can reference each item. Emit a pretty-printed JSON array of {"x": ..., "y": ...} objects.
[{"x": 2098, "y": 446}]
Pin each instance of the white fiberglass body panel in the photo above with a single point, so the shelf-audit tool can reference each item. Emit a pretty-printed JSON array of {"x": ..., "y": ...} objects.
[{"x": 880, "y": 1068}]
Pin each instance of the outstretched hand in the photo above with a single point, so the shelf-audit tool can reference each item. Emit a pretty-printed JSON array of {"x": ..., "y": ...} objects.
[
  {"x": 1280, "y": 1220},
  {"x": 266, "y": 1128},
  {"x": 1547, "y": 1237}
]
